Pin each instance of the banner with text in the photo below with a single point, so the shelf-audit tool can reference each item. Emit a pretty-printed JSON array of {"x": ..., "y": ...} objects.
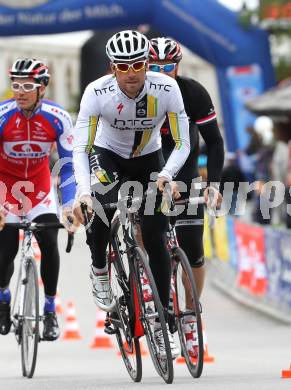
[
  {"x": 278, "y": 262},
  {"x": 251, "y": 258}
]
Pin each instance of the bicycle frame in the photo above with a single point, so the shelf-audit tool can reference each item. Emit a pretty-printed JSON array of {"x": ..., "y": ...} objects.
[
  {"x": 25, "y": 308},
  {"x": 172, "y": 241},
  {"x": 130, "y": 243},
  {"x": 26, "y": 253},
  {"x": 143, "y": 319}
]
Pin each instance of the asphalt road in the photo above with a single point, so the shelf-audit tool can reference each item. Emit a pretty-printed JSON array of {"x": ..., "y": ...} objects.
[{"x": 250, "y": 350}]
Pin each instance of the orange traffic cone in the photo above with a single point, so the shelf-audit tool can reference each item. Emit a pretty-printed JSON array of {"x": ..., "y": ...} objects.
[
  {"x": 143, "y": 350},
  {"x": 207, "y": 358},
  {"x": 286, "y": 373},
  {"x": 58, "y": 303},
  {"x": 71, "y": 326},
  {"x": 21, "y": 234},
  {"x": 40, "y": 282},
  {"x": 101, "y": 339}
]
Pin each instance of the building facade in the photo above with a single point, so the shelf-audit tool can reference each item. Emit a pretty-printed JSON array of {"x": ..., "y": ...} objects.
[{"x": 61, "y": 52}]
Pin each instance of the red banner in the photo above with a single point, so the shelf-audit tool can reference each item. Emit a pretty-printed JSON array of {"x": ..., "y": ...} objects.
[
  {"x": 276, "y": 10},
  {"x": 251, "y": 258}
]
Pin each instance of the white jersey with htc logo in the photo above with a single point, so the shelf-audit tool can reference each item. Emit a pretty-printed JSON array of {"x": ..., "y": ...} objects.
[{"x": 130, "y": 127}]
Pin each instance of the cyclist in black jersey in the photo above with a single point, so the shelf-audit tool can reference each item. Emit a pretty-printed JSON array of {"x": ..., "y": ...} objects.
[{"x": 165, "y": 55}]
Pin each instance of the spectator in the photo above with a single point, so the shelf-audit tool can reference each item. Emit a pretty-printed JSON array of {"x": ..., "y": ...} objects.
[
  {"x": 231, "y": 173},
  {"x": 264, "y": 128}
]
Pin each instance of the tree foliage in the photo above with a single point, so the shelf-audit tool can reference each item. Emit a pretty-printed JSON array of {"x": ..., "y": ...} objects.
[
  {"x": 272, "y": 15},
  {"x": 275, "y": 17}
]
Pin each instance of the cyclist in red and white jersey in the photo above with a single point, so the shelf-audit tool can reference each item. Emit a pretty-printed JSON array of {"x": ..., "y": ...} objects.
[{"x": 29, "y": 126}]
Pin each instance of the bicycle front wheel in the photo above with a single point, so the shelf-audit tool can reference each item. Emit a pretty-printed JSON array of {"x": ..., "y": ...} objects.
[
  {"x": 123, "y": 318},
  {"x": 30, "y": 320},
  {"x": 151, "y": 311},
  {"x": 186, "y": 306}
]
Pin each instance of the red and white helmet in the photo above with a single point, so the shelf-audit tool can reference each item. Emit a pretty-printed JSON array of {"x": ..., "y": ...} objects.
[
  {"x": 165, "y": 49},
  {"x": 30, "y": 68}
]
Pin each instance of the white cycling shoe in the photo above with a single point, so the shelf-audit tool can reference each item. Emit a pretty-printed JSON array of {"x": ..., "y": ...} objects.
[
  {"x": 161, "y": 345},
  {"x": 102, "y": 293}
]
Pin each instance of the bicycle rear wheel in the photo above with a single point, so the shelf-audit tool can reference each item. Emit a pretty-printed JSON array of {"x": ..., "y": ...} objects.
[
  {"x": 152, "y": 309},
  {"x": 30, "y": 320},
  {"x": 123, "y": 318},
  {"x": 186, "y": 304}
]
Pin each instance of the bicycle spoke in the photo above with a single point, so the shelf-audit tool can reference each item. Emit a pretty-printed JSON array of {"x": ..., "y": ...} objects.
[
  {"x": 122, "y": 320},
  {"x": 30, "y": 321},
  {"x": 187, "y": 314},
  {"x": 151, "y": 310}
]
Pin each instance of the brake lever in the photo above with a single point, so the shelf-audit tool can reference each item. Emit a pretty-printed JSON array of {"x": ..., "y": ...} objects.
[
  {"x": 70, "y": 242},
  {"x": 86, "y": 216}
]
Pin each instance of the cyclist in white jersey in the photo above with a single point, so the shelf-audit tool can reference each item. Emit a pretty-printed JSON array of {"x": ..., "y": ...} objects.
[{"x": 117, "y": 138}]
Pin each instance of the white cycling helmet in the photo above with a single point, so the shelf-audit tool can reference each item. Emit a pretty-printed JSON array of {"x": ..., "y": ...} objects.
[{"x": 127, "y": 45}]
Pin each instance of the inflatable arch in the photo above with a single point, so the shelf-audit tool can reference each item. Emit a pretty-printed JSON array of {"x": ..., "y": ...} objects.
[{"x": 241, "y": 57}]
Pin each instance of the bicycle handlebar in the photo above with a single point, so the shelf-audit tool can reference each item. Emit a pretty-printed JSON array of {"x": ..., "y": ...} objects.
[
  {"x": 131, "y": 200},
  {"x": 34, "y": 226},
  {"x": 192, "y": 201}
]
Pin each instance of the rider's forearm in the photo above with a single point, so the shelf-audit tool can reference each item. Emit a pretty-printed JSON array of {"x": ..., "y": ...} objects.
[
  {"x": 179, "y": 126},
  {"x": 176, "y": 161},
  {"x": 81, "y": 147},
  {"x": 215, "y": 150},
  {"x": 81, "y": 171}
]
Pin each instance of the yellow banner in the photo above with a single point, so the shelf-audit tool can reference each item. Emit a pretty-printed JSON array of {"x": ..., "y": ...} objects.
[
  {"x": 221, "y": 239},
  {"x": 207, "y": 239}
]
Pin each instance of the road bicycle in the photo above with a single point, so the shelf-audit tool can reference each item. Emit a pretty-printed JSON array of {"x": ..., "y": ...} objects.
[
  {"x": 184, "y": 302},
  {"x": 25, "y": 315},
  {"x": 135, "y": 314},
  {"x": 183, "y": 295}
]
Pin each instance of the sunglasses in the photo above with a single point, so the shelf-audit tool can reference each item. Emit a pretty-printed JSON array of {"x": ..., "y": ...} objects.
[
  {"x": 26, "y": 87},
  {"x": 166, "y": 68},
  {"x": 124, "y": 67}
]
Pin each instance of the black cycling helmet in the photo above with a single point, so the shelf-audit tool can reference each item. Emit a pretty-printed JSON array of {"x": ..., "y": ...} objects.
[
  {"x": 31, "y": 68},
  {"x": 165, "y": 49}
]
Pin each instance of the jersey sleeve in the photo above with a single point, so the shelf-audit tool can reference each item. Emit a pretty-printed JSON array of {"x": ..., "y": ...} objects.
[
  {"x": 5, "y": 113},
  {"x": 84, "y": 135},
  {"x": 65, "y": 148},
  {"x": 202, "y": 113},
  {"x": 202, "y": 110},
  {"x": 179, "y": 126}
]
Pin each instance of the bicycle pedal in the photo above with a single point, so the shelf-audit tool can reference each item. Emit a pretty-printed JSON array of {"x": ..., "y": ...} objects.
[
  {"x": 108, "y": 326},
  {"x": 109, "y": 330}
]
